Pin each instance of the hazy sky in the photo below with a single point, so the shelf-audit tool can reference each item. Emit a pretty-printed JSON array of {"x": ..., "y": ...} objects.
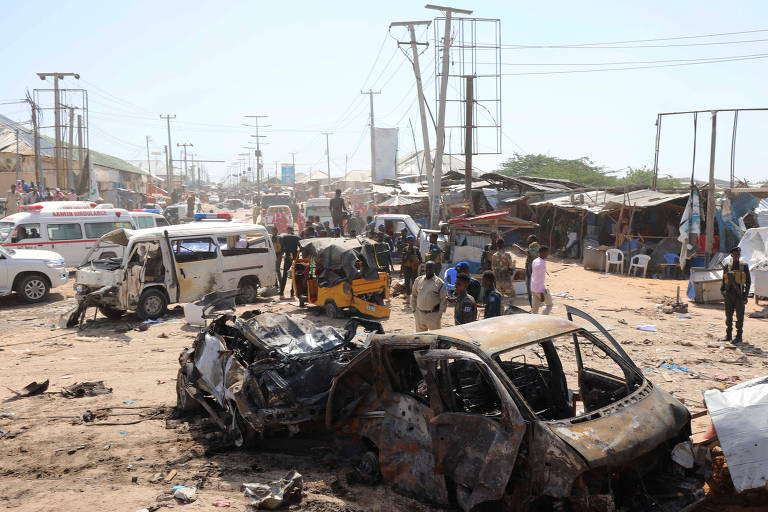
[{"x": 304, "y": 64}]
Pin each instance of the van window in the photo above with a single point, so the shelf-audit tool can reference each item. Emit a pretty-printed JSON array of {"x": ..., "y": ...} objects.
[
  {"x": 249, "y": 243},
  {"x": 97, "y": 229},
  {"x": 160, "y": 221},
  {"x": 26, "y": 232},
  {"x": 144, "y": 221},
  {"x": 194, "y": 249},
  {"x": 64, "y": 232}
]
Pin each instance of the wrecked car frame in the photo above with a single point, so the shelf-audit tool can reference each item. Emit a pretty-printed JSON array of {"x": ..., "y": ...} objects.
[{"x": 462, "y": 416}]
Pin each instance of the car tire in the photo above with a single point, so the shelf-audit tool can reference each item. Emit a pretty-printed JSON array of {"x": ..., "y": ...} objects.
[
  {"x": 152, "y": 304},
  {"x": 184, "y": 402},
  {"x": 33, "y": 288},
  {"x": 248, "y": 292},
  {"x": 111, "y": 312},
  {"x": 331, "y": 309}
]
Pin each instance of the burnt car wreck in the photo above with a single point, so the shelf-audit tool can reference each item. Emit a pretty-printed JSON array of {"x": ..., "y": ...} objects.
[{"x": 522, "y": 412}]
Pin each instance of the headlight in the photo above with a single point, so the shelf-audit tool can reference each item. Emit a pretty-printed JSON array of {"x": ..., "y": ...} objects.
[{"x": 54, "y": 263}]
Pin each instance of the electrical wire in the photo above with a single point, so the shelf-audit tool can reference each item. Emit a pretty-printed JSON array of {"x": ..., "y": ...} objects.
[
  {"x": 597, "y": 70},
  {"x": 617, "y": 63},
  {"x": 581, "y": 47}
]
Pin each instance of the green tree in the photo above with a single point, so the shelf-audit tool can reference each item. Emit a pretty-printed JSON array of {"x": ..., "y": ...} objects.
[
  {"x": 644, "y": 176},
  {"x": 582, "y": 170}
]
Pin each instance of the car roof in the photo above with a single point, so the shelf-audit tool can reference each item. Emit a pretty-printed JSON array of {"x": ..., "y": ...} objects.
[
  {"x": 502, "y": 333},
  {"x": 194, "y": 229}
]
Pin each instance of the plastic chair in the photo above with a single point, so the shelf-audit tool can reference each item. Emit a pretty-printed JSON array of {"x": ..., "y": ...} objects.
[
  {"x": 639, "y": 262},
  {"x": 671, "y": 260},
  {"x": 449, "y": 276},
  {"x": 614, "y": 257}
]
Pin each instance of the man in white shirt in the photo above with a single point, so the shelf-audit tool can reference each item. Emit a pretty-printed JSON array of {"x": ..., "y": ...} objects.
[{"x": 539, "y": 293}]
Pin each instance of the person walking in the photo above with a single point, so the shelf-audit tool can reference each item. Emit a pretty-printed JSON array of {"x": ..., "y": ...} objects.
[
  {"x": 434, "y": 254},
  {"x": 539, "y": 292},
  {"x": 383, "y": 253},
  {"x": 13, "y": 201},
  {"x": 465, "y": 310},
  {"x": 474, "y": 288},
  {"x": 492, "y": 296},
  {"x": 488, "y": 252},
  {"x": 428, "y": 299},
  {"x": 735, "y": 290},
  {"x": 289, "y": 243},
  {"x": 531, "y": 253},
  {"x": 409, "y": 268},
  {"x": 338, "y": 209},
  {"x": 191, "y": 205},
  {"x": 277, "y": 244}
]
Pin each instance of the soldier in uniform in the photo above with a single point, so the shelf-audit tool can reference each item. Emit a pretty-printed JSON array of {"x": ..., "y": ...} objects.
[
  {"x": 503, "y": 269},
  {"x": 409, "y": 268},
  {"x": 488, "y": 251},
  {"x": 434, "y": 254},
  {"x": 465, "y": 310},
  {"x": 428, "y": 299},
  {"x": 492, "y": 295},
  {"x": 735, "y": 289}
]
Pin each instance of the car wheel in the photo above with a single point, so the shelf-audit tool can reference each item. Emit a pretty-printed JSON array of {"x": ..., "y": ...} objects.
[
  {"x": 33, "y": 288},
  {"x": 248, "y": 292},
  {"x": 111, "y": 312},
  {"x": 152, "y": 304},
  {"x": 184, "y": 402},
  {"x": 331, "y": 310}
]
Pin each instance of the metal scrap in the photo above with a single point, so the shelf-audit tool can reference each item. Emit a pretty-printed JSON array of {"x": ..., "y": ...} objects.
[
  {"x": 286, "y": 491},
  {"x": 79, "y": 390}
]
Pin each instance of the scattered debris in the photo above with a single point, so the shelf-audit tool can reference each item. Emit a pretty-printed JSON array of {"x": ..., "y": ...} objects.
[
  {"x": 676, "y": 368},
  {"x": 285, "y": 491},
  {"x": 171, "y": 475},
  {"x": 31, "y": 389},
  {"x": 725, "y": 378},
  {"x": 130, "y": 402},
  {"x": 185, "y": 494},
  {"x": 7, "y": 415},
  {"x": 646, "y": 327},
  {"x": 79, "y": 390},
  {"x": 739, "y": 416},
  {"x": 221, "y": 503},
  {"x": 682, "y": 453},
  {"x": 156, "y": 478}
]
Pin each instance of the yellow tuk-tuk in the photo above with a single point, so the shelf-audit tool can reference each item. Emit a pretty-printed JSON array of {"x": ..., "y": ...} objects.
[{"x": 333, "y": 273}]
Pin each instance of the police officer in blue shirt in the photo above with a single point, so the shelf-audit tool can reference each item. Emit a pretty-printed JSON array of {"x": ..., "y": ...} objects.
[
  {"x": 465, "y": 310},
  {"x": 492, "y": 295}
]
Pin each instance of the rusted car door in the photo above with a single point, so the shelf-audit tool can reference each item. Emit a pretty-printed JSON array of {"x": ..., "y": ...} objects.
[{"x": 476, "y": 429}]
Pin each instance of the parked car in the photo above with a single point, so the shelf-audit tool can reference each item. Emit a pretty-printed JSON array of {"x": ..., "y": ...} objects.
[
  {"x": 394, "y": 222},
  {"x": 31, "y": 273},
  {"x": 175, "y": 264},
  {"x": 234, "y": 204}
]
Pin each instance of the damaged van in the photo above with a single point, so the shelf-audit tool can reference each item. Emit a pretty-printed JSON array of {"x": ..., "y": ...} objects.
[
  {"x": 174, "y": 264},
  {"x": 524, "y": 411}
]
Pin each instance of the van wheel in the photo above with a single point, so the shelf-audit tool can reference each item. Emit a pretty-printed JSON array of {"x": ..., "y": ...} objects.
[
  {"x": 33, "y": 288},
  {"x": 249, "y": 291},
  {"x": 331, "y": 310},
  {"x": 152, "y": 305},
  {"x": 111, "y": 312}
]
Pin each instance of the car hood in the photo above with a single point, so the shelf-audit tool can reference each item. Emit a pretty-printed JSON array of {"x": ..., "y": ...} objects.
[
  {"x": 622, "y": 432},
  {"x": 35, "y": 254}
]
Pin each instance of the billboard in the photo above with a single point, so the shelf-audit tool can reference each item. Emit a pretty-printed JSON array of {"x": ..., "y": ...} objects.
[
  {"x": 385, "y": 141},
  {"x": 288, "y": 174}
]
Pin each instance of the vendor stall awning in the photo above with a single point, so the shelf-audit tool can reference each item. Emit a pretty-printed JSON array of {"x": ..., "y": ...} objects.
[
  {"x": 401, "y": 200},
  {"x": 502, "y": 218},
  {"x": 601, "y": 201}
]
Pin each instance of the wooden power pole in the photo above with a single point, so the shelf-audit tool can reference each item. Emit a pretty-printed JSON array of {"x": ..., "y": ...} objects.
[
  {"x": 710, "y": 228},
  {"x": 370, "y": 94},
  {"x": 61, "y": 173},
  {"x": 470, "y": 103}
]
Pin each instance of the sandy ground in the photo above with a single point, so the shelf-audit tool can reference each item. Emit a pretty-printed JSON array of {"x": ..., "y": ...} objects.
[{"x": 51, "y": 460}]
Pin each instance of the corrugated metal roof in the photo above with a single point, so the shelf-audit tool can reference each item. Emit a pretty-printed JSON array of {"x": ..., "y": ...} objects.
[
  {"x": 600, "y": 200},
  {"x": 401, "y": 200}
]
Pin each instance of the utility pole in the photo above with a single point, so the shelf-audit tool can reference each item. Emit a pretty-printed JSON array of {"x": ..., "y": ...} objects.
[
  {"x": 17, "y": 154},
  {"x": 186, "y": 172},
  {"x": 710, "y": 231},
  {"x": 258, "y": 137},
  {"x": 470, "y": 103},
  {"x": 440, "y": 142},
  {"x": 38, "y": 164},
  {"x": 169, "y": 153},
  {"x": 422, "y": 104},
  {"x": 370, "y": 94},
  {"x": 70, "y": 155},
  {"x": 149, "y": 164},
  {"x": 656, "y": 153},
  {"x": 328, "y": 153},
  {"x": 61, "y": 176}
]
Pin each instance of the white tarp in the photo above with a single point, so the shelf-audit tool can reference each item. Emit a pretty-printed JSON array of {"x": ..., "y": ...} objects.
[
  {"x": 740, "y": 417},
  {"x": 690, "y": 225},
  {"x": 385, "y": 141},
  {"x": 754, "y": 247}
]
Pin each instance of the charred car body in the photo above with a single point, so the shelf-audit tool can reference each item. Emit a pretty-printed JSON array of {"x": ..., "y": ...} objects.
[
  {"x": 262, "y": 373},
  {"x": 529, "y": 412}
]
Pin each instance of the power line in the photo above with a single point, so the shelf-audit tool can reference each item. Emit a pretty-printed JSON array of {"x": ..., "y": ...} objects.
[
  {"x": 615, "y": 63},
  {"x": 583, "y": 47},
  {"x": 597, "y": 70},
  {"x": 673, "y": 38}
]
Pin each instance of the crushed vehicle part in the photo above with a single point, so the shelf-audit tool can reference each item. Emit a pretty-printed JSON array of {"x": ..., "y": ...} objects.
[
  {"x": 533, "y": 412},
  {"x": 286, "y": 491},
  {"x": 265, "y": 372},
  {"x": 79, "y": 390},
  {"x": 31, "y": 389}
]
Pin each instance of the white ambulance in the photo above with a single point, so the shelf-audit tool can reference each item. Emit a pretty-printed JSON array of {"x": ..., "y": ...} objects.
[{"x": 71, "y": 232}]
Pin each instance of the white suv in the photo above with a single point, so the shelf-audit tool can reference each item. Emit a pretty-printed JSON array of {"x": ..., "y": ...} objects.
[{"x": 31, "y": 273}]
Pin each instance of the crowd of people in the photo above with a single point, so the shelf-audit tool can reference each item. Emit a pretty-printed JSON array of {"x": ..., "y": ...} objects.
[{"x": 21, "y": 193}]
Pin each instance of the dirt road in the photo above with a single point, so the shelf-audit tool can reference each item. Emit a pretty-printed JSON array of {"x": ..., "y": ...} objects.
[{"x": 51, "y": 460}]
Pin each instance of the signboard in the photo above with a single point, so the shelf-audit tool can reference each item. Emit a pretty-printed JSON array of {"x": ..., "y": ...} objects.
[
  {"x": 385, "y": 141},
  {"x": 288, "y": 174}
]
